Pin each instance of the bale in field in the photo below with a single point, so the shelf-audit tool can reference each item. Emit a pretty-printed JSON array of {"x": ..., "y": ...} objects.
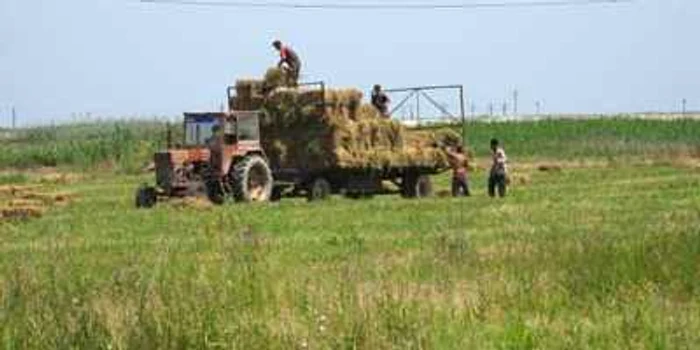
[
  {"x": 196, "y": 203},
  {"x": 47, "y": 198},
  {"x": 14, "y": 203},
  {"x": 549, "y": 167},
  {"x": 21, "y": 213},
  {"x": 13, "y": 190},
  {"x": 518, "y": 179}
]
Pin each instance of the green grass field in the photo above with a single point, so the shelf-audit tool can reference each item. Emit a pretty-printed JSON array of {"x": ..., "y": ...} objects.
[{"x": 604, "y": 253}]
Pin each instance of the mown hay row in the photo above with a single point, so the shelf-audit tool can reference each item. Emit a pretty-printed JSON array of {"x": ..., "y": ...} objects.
[{"x": 26, "y": 212}]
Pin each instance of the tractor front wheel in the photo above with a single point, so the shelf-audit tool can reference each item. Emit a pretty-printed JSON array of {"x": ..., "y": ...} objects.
[{"x": 252, "y": 180}]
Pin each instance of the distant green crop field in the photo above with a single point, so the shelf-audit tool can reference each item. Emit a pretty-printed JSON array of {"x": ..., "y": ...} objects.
[
  {"x": 128, "y": 145},
  {"x": 609, "y": 137}
]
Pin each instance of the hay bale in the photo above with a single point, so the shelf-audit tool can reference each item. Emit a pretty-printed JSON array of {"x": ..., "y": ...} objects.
[
  {"x": 518, "y": 179},
  {"x": 189, "y": 203},
  {"x": 21, "y": 213},
  {"x": 47, "y": 198},
  {"x": 300, "y": 130},
  {"x": 274, "y": 77},
  {"x": 16, "y": 203},
  {"x": 549, "y": 167},
  {"x": 13, "y": 190},
  {"x": 367, "y": 111},
  {"x": 248, "y": 88}
]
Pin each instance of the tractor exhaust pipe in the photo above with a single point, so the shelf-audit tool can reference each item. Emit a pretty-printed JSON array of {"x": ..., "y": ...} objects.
[{"x": 168, "y": 136}]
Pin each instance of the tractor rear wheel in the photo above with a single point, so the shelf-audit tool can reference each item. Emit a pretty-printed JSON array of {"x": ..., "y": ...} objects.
[
  {"x": 319, "y": 190},
  {"x": 416, "y": 186},
  {"x": 146, "y": 197},
  {"x": 252, "y": 180}
]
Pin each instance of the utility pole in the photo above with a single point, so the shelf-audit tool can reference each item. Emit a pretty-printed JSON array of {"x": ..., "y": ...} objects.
[
  {"x": 491, "y": 109},
  {"x": 515, "y": 102},
  {"x": 14, "y": 118},
  {"x": 473, "y": 109},
  {"x": 684, "y": 103},
  {"x": 505, "y": 108},
  {"x": 538, "y": 106}
]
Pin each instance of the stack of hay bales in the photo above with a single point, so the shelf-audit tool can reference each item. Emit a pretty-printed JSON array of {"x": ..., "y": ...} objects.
[{"x": 313, "y": 129}]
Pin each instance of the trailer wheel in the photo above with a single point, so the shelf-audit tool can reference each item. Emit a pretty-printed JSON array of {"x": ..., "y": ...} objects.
[
  {"x": 319, "y": 190},
  {"x": 146, "y": 197},
  {"x": 417, "y": 186},
  {"x": 276, "y": 195},
  {"x": 252, "y": 181}
]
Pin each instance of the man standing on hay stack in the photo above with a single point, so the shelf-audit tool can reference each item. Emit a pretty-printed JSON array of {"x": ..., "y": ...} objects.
[
  {"x": 289, "y": 63},
  {"x": 380, "y": 101}
]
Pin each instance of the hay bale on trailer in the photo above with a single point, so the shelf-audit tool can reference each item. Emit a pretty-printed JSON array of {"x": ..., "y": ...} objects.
[{"x": 316, "y": 129}]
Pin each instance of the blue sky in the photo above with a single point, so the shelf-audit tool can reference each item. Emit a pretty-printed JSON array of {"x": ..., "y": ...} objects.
[{"x": 125, "y": 58}]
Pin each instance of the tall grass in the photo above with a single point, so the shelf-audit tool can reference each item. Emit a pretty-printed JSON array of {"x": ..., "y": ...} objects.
[
  {"x": 126, "y": 145},
  {"x": 579, "y": 258},
  {"x": 568, "y": 262}
]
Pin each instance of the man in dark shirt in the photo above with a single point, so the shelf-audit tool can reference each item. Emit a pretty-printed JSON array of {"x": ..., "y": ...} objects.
[{"x": 380, "y": 101}]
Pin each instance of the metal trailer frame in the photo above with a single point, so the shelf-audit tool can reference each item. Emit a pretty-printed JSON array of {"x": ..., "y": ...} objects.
[{"x": 421, "y": 91}]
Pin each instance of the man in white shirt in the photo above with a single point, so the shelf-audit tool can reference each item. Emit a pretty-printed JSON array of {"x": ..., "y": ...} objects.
[{"x": 499, "y": 170}]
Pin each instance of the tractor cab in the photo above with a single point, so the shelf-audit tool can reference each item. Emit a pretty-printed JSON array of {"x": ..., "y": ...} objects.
[{"x": 238, "y": 128}]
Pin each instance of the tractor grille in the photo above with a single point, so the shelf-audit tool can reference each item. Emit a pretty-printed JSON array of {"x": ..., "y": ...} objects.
[{"x": 164, "y": 170}]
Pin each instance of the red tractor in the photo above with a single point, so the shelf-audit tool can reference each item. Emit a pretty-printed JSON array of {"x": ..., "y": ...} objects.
[{"x": 221, "y": 156}]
